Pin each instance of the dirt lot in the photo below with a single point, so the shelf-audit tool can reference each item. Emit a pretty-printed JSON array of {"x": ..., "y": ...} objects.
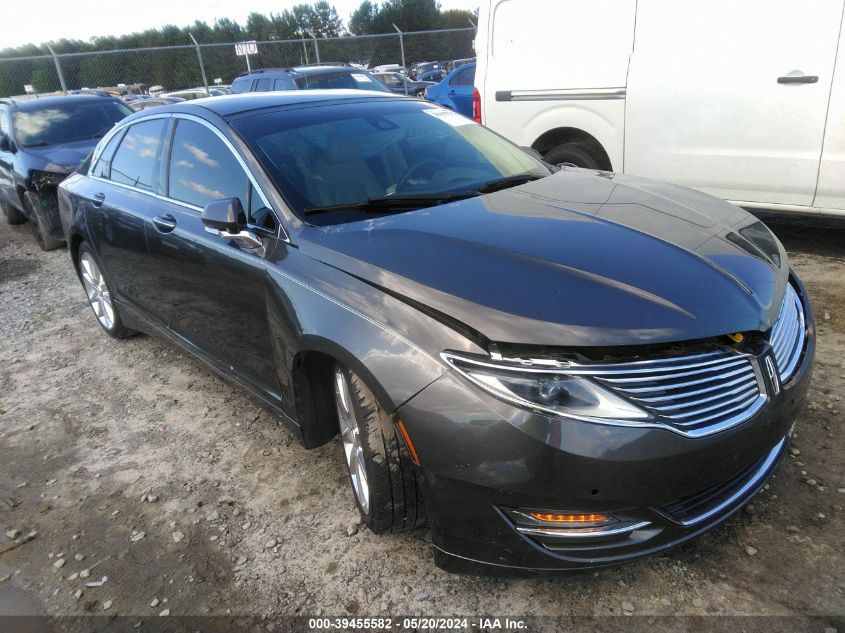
[{"x": 133, "y": 462}]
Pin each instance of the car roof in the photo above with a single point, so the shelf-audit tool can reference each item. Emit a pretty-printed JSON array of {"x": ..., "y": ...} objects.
[
  {"x": 308, "y": 71},
  {"x": 231, "y": 105},
  {"x": 36, "y": 103}
]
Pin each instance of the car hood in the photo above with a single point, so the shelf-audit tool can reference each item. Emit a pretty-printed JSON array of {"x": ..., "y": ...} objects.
[
  {"x": 579, "y": 258},
  {"x": 62, "y": 158}
]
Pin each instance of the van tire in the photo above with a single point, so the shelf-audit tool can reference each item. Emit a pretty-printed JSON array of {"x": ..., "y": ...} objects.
[{"x": 573, "y": 153}]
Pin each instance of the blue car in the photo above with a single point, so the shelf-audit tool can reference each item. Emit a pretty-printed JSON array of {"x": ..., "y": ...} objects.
[{"x": 455, "y": 91}]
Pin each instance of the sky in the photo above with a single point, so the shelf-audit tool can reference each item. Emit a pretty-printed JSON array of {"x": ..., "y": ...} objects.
[{"x": 50, "y": 20}]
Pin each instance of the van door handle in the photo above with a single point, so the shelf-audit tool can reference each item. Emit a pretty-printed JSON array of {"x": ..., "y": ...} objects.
[
  {"x": 164, "y": 223},
  {"x": 98, "y": 199},
  {"x": 798, "y": 79}
]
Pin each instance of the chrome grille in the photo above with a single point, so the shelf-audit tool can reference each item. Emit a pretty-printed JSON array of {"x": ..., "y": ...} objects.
[
  {"x": 697, "y": 394},
  {"x": 787, "y": 337}
]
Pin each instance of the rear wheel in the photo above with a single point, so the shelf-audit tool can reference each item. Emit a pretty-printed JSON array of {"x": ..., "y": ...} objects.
[
  {"x": 575, "y": 153},
  {"x": 13, "y": 216},
  {"x": 384, "y": 482},
  {"x": 99, "y": 294}
]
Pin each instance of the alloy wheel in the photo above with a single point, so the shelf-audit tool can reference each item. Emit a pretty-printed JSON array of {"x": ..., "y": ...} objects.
[
  {"x": 350, "y": 435},
  {"x": 97, "y": 290}
]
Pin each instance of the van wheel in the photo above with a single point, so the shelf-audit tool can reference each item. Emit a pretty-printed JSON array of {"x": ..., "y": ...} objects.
[
  {"x": 13, "y": 216},
  {"x": 385, "y": 485},
  {"x": 574, "y": 153}
]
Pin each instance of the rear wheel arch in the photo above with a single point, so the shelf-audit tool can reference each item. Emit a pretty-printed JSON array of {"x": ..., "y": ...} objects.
[{"x": 575, "y": 138}]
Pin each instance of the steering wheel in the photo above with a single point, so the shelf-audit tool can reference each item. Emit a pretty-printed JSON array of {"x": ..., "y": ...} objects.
[{"x": 413, "y": 169}]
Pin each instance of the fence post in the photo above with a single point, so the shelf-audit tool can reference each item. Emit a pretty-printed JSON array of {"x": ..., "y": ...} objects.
[
  {"x": 316, "y": 46},
  {"x": 402, "y": 51},
  {"x": 58, "y": 68},
  {"x": 202, "y": 66}
]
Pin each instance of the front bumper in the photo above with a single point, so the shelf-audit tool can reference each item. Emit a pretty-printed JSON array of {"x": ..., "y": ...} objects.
[{"x": 482, "y": 457}]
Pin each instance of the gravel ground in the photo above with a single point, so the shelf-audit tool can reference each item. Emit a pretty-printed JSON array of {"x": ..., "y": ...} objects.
[{"x": 132, "y": 462}]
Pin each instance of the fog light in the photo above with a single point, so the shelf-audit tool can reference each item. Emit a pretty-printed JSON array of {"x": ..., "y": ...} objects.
[{"x": 570, "y": 518}]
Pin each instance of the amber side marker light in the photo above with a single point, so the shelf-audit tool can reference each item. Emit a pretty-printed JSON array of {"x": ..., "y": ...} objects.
[
  {"x": 736, "y": 338},
  {"x": 408, "y": 441},
  {"x": 569, "y": 518}
]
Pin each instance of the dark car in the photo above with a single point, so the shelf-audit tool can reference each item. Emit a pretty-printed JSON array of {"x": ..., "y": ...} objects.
[
  {"x": 421, "y": 70},
  {"x": 400, "y": 84},
  {"x": 41, "y": 141},
  {"x": 317, "y": 77},
  {"x": 455, "y": 92},
  {"x": 557, "y": 368}
]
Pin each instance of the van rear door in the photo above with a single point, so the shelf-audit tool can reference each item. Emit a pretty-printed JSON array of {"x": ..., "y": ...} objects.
[{"x": 731, "y": 97}]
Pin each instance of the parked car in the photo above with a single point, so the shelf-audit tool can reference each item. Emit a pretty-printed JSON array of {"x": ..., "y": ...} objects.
[
  {"x": 495, "y": 340},
  {"x": 422, "y": 71},
  {"x": 41, "y": 141},
  {"x": 388, "y": 68},
  {"x": 455, "y": 91},
  {"x": 748, "y": 109},
  {"x": 194, "y": 93},
  {"x": 307, "y": 77},
  {"x": 400, "y": 84},
  {"x": 151, "y": 102}
]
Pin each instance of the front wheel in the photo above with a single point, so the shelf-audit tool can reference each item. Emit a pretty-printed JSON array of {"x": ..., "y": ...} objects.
[
  {"x": 385, "y": 485},
  {"x": 100, "y": 296},
  {"x": 13, "y": 216},
  {"x": 41, "y": 230}
]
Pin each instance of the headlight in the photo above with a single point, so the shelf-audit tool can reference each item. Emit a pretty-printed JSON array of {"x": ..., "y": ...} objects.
[{"x": 548, "y": 390}]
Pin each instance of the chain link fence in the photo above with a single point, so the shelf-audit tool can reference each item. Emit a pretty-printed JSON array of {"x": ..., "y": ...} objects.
[{"x": 180, "y": 67}]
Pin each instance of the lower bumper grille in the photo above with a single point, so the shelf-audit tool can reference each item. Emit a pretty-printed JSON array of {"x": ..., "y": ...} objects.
[{"x": 710, "y": 502}]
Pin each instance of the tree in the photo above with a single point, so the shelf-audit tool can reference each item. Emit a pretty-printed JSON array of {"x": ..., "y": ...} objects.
[
  {"x": 457, "y": 19},
  {"x": 362, "y": 20}
]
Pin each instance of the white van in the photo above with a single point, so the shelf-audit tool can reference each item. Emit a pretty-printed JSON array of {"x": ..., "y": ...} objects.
[{"x": 744, "y": 100}]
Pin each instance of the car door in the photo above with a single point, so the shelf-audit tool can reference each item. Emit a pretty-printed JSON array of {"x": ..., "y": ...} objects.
[
  {"x": 7, "y": 179},
  {"x": 732, "y": 101},
  {"x": 119, "y": 202},
  {"x": 211, "y": 291},
  {"x": 460, "y": 90},
  {"x": 830, "y": 193}
]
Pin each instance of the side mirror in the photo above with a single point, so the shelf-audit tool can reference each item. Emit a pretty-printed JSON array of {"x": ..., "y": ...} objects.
[
  {"x": 5, "y": 143},
  {"x": 220, "y": 218},
  {"x": 222, "y": 215}
]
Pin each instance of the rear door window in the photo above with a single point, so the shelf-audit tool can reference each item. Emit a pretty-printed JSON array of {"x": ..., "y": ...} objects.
[
  {"x": 464, "y": 78},
  {"x": 262, "y": 85},
  {"x": 135, "y": 162},
  {"x": 102, "y": 166}
]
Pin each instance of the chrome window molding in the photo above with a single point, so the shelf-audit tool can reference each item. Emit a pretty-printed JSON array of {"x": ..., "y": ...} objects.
[{"x": 283, "y": 235}]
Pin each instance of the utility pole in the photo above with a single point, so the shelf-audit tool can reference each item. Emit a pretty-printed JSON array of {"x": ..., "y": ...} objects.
[
  {"x": 402, "y": 50},
  {"x": 202, "y": 66},
  {"x": 58, "y": 68}
]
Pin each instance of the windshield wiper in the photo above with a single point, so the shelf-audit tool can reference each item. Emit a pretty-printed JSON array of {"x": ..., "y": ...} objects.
[
  {"x": 387, "y": 203},
  {"x": 508, "y": 181},
  {"x": 38, "y": 144}
]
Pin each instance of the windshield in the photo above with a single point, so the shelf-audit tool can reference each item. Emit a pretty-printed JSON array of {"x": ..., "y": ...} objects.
[
  {"x": 341, "y": 80},
  {"x": 67, "y": 122},
  {"x": 350, "y": 153}
]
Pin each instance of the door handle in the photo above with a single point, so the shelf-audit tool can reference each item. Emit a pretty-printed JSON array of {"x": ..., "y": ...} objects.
[
  {"x": 451, "y": 93},
  {"x": 164, "y": 223},
  {"x": 98, "y": 199},
  {"x": 798, "y": 79}
]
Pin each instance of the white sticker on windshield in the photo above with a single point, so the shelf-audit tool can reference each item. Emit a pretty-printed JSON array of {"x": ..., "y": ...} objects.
[
  {"x": 452, "y": 118},
  {"x": 362, "y": 78}
]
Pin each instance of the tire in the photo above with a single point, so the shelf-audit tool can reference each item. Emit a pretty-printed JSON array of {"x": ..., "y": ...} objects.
[
  {"x": 574, "y": 153},
  {"x": 39, "y": 228},
  {"x": 13, "y": 216},
  {"x": 385, "y": 484},
  {"x": 99, "y": 293}
]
